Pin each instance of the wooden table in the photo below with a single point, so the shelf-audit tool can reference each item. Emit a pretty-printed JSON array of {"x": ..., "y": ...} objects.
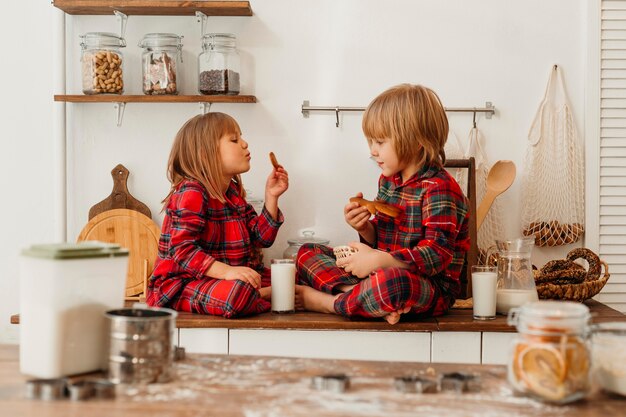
[{"x": 254, "y": 386}]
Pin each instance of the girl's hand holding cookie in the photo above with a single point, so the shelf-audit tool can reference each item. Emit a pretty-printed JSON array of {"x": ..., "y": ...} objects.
[
  {"x": 245, "y": 274},
  {"x": 278, "y": 180}
]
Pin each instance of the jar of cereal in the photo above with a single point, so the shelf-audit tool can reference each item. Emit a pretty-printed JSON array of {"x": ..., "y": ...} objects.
[
  {"x": 550, "y": 357},
  {"x": 101, "y": 59},
  {"x": 162, "y": 52},
  {"x": 218, "y": 64}
]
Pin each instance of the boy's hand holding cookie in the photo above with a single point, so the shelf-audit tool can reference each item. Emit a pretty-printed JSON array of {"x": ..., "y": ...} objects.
[{"x": 356, "y": 215}]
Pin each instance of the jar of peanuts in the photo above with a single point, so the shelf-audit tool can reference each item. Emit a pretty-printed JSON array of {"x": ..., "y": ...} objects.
[
  {"x": 162, "y": 52},
  {"x": 550, "y": 358},
  {"x": 218, "y": 64},
  {"x": 101, "y": 60}
]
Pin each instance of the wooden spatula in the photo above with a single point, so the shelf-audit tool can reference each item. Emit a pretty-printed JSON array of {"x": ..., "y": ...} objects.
[{"x": 376, "y": 206}]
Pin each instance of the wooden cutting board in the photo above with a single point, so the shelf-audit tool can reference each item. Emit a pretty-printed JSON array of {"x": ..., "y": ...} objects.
[
  {"x": 134, "y": 231},
  {"x": 120, "y": 197}
]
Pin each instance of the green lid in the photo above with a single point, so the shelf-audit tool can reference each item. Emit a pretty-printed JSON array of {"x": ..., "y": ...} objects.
[{"x": 81, "y": 250}]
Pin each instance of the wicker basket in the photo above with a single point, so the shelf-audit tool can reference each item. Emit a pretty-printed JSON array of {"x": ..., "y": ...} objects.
[{"x": 574, "y": 292}]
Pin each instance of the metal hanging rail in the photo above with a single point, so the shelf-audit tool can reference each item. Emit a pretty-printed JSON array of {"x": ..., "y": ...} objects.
[{"x": 489, "y": 110}]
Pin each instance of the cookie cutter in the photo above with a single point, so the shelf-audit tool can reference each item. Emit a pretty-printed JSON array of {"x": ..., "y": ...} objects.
[
  {"x": 61, "y": 388},
  {"x": 81, "y": 390},
  {"x": 46, "y": 389},
  {"x": 459, "y": 382},
  {"x": 103, "y": 388},
  {"x": 331, "y": 382},
  {"x": 416, "y": 384}
]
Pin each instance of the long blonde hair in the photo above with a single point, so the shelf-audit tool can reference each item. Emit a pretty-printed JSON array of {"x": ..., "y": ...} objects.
[
  {"x": 413, "y": 117},
  {"x": 195, "y": 154}
]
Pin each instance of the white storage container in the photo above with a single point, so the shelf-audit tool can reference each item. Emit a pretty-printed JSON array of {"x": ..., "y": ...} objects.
[{"x": 65, "y": 289}]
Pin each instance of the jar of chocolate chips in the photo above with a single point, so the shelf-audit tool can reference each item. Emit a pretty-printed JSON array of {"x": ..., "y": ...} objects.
[
  {"x": 101, "y": 61},
  {"x": 162, "y": 52},
  {"x": 218, "y": 64}
]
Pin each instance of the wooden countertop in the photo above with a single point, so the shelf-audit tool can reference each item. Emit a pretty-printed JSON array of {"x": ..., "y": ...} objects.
[
  {"x": 258, "y": 386},
  {"x": 455, "y": 321}
]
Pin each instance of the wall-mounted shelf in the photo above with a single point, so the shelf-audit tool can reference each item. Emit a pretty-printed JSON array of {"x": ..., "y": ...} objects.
[
  {"x": 154, "y": 99},
  {"x": 121, "y": 100},
  {"x": 154, "y": 7}
]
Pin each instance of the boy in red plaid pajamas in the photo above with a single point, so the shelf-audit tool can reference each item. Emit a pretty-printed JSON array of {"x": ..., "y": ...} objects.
[
  {"x": 205, "y": 264},
  {"x": 411, "y": 263}
]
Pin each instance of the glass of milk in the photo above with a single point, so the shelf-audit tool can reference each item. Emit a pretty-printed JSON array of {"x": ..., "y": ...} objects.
[
  {"x": 484, "y": 280},
  {"x": 283, "y": 285}
]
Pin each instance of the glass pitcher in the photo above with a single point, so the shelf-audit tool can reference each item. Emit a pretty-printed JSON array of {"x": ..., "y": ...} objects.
[{"x": 516, "y": 283}]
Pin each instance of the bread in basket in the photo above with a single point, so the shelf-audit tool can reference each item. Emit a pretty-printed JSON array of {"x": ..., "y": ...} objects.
[{"x": 563, "y": 279}]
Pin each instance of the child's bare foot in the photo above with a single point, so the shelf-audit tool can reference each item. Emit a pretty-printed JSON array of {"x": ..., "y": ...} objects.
[
  {"x": 314, "y": 300},
  {"x": 266, "y": 293},
  {"x": 298, "y": 303},
  {"x": 394, "y": 317}
]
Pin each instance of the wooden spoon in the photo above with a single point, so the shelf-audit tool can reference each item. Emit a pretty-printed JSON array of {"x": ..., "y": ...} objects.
[{"x": 500, "y": 177}]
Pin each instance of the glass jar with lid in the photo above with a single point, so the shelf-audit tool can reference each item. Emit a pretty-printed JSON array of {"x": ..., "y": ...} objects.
[
  {"x": 308, "y": 236},
  {"x": 218, "y": 64},
  {"x": 550, "y": 357},
  {"x": 102, "y": 63},
  {"x": 608, "y": 343},
  {"x": 162, "y": 52}
]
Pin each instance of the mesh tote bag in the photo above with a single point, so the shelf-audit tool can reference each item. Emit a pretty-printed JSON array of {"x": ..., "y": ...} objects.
[
  {"x": 553, "y": 185},
  {"x": 491, "y": 228}
]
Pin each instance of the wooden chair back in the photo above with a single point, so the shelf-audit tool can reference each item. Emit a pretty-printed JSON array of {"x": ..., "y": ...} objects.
[{"x": 472, "y": 255}]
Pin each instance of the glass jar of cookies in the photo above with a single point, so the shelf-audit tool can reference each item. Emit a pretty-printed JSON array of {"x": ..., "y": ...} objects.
[
  {"x": 102, "y": 63},
  {"x": 218, "y": 65},
  {"x": 308, "y": 236},
  {"x": 550, "y": 358},
  {"x": 162, "y": 54}
]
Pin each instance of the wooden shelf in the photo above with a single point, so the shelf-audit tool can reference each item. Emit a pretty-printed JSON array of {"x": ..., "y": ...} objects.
[
  {"x": 112, "y": 98},
  {"x": 154, "y": 7}
]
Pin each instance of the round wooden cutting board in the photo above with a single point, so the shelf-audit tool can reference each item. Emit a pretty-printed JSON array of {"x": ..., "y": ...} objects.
[{"x": 134, "y": 231}]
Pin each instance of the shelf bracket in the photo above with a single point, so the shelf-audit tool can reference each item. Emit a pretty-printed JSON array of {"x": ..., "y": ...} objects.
[
  {"x": 206, "y": 107},
  {"x": 203, "y": 19},
  {"x": 122, "y": 18},
  {"x": 489, "y": 105},
  {"x": 120, "y": 112}
]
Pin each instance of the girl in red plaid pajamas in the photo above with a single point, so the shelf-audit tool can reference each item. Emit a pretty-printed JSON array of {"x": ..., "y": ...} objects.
[
  {"x": 205, "y": 263},
  {"x": 411, "y": 263}
]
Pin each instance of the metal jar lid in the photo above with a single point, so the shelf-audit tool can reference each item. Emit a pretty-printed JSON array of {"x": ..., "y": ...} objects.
[
  {"x": 100, "y": 39},
  {"x": 161, "y": 40},
  {"x": 549, "y": 317},
  {"x": 81, "y": 250}
]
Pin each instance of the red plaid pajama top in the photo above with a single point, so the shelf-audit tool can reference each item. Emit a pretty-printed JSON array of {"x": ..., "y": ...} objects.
[
  {"x": 199, "y": 230},
  {"x": 430, "y": 235}
]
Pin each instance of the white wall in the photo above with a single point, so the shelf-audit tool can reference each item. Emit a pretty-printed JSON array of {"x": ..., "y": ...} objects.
[
  {"x": 27, "y": 152},
  {"x": 328, "y": 52}
]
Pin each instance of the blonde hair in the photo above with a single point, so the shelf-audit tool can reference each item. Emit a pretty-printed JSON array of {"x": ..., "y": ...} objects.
[
  {"x": 414, "y": 119},
  {"x": 195, "y": 154}
]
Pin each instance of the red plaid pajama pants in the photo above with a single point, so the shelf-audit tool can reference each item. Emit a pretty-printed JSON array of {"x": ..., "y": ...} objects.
[
  {"x": 220, "y": 297},
  {"x": 384, "y": 291}
]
